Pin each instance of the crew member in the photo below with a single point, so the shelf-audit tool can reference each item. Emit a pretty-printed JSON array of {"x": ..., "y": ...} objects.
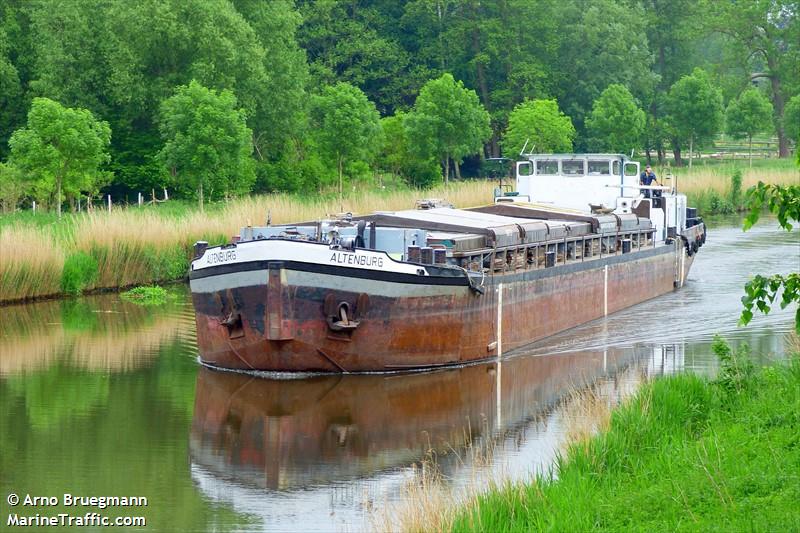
[{"x": 647, "y": 178}]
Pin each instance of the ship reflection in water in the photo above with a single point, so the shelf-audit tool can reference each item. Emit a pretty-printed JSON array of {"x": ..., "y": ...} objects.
[{"x": 347, "y": 441}]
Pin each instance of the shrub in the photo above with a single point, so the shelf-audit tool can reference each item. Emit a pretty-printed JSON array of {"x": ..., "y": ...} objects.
[
  {"x": 80, "y": 271},
  {"x": 146, "y": 295}
]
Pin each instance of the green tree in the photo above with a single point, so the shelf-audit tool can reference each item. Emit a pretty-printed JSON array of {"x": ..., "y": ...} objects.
[
  {"x": 695, "y": 111},
  {"x": 749, "y": 114},
  {"x": 791, "y": 120},
  {"x": 347, "y": 127},
  {"x": 208, "y": 144},
  {"x": 10, "y": 93},
  {"x": 764, "y": 37},
  {"x": 12, "y": 187},
  {"x": 541, "y": 126},
  {"x": 397, "y": 158},
  {"x": 761, "y": 291},
  {"x": 616, "y": 123},
  {"x": 62, "y": 149},
  {"x": 603, "y": 43},
  {"x": 447, "y": 122}
]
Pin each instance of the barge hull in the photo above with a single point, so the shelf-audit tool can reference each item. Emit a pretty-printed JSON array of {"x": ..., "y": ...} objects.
[{"x": 283, "y": 317}]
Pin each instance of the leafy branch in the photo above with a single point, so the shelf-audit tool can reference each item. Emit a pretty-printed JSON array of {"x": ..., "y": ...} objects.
[{"x": 761, "y": 291}]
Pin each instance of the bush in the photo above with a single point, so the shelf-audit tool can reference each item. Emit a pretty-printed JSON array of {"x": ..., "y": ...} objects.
[
  {"x": 146, "y": 295},
  {"x": 80, "y": 271},
  {"x": 736, "y": 190}
]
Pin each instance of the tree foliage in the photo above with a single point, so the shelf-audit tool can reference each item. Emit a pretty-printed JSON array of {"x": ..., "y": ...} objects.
[
  {"x": 695, "y": 108},
  {"x": 347, "y": 127},
  {"x": 61, "y": 150},
  {"x": 207, "y": 142},
  {"x": 749, "y": 114},
  {"x": 616, "y": 123},
  {"x": 541, "y": 125},
  {"x": 791, "y": 119},
  {"x": 397, "y": 158},
  {"x": 448, "y": 122},
  {"x": 764, "y": 37},
  {"x": 761, "y": 291}
]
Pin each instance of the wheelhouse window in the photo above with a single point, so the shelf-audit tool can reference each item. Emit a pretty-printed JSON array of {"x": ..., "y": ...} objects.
[
  {"x": 599, "y": 168},
  {"x": 524, "y": 168},
  {"x": 549, "y": 168},
  {"x": 615, "y": 168},
  {"x": 572, "y": 167}
]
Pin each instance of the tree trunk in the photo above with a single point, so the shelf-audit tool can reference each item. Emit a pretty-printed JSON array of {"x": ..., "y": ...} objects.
[
  {"x": 777, "y": 105},
  {"x": 458, "y": 168},
  {"x": 446, "y": 169},
  {"x": 691, "y": 153},
  {"x": 58, "y": 195},
  {"x": 341, "y": 186},
  {"x": 750, "y": 149},
  {"x": 676, "y": 150},
  {"x": 200, "y": 196}
]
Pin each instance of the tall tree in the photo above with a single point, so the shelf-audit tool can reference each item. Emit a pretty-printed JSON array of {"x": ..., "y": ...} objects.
[
  {"x": 749, "y": 114},
  {"x": 539, "y": 126},
  {"x": 397, "y": 157},
  {"x": 347, "y": 127},
  {"x": 449, "y": 122},
  {"x": 208, "y": 145},
  {"x": 348, "y": 41},
  {"x": 10, "y": 93},
  {"x": 603, "y": 46},
  {"x": 617, "y": 122},
  {"x": 670, "y": 27},
  {"x": 61, "y": 148},
  {"x": 695, "y": 111},
  {"x": 768, "y": 33}
]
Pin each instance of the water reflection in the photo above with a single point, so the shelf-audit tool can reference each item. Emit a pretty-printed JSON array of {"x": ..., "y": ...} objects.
[
  {"x": 101, "y": 332},
  {"x": 264, "y": 439}
]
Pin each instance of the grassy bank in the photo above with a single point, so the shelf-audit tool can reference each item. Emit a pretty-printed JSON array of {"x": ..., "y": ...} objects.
[
  {"x": 683, "y": 454},
  {"x": 43, "y": 256}
]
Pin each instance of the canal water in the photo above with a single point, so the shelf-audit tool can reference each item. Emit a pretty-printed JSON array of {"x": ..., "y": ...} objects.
[{"x": 101, "y": 397}]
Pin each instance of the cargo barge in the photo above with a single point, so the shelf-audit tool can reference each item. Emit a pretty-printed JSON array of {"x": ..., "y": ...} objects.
[{"x": 423, "y": 288}]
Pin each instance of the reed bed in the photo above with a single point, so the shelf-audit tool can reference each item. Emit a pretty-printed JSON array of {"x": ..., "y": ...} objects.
[
  {"x": 131, "y": 246},
  {"x": 718, "y": 179}
]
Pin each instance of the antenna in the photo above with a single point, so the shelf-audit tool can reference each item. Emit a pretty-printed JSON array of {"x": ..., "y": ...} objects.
[
  {"x": 632, "y": 149},
  {"x": 524, "y": 146}
]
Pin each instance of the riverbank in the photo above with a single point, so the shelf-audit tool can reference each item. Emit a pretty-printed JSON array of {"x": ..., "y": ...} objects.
[
  {"x": 683, "y": 453},
  {"x": 47, "y": 257}
]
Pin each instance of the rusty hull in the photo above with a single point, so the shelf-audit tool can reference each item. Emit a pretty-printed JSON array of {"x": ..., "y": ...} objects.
[{"x": 279, "y": 318}]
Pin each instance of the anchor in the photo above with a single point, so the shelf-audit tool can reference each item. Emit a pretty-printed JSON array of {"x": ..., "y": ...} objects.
[{"x": 341, "y": 317}]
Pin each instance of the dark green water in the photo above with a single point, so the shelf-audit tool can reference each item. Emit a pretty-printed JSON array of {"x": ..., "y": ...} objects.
[{"x": 100, "y": 397}]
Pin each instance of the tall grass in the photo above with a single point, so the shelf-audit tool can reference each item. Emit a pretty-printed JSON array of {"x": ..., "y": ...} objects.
[
  {"x": 711, "y": 188},
  {"x": 135, "y": 246}
]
